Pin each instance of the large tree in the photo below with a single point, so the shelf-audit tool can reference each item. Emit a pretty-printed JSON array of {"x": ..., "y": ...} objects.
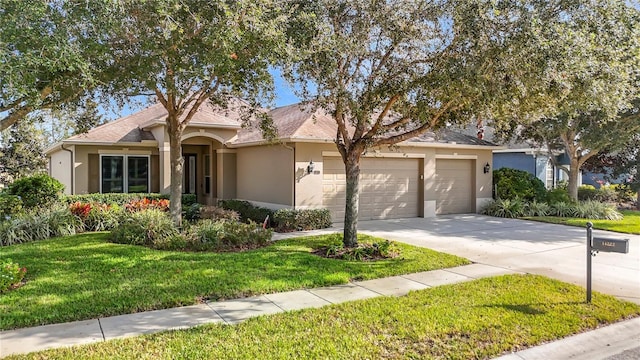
[
  {"x": 186, "y": 52},
  {"x": 22, "y": 151},
  {"x": 619, "y": 163},
  {"x": 51, "y": 54},
  {"x": 582, "y": 137},
  {"x": 593, "y": 57},
  {"x": 390, "y": 70}
]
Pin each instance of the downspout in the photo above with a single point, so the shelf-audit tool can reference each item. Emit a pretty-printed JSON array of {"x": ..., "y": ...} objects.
[
  {"x": 73, "y": 162},
  {"x": 293, "y": 188}
]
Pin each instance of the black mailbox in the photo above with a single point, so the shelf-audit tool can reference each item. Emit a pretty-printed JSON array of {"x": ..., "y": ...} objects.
[{"x": 611, "y": 245}]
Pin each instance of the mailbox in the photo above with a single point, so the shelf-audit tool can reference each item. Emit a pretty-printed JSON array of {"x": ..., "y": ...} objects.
[{"x": 611, "y": 245}]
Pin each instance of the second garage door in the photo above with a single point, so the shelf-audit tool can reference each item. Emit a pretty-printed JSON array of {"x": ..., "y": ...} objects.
[
  {"x": 389, "y": 188},
  {"x": 454, "y": 186}
]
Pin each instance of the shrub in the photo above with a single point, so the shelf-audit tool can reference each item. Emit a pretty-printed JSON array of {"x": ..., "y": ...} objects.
[
  {"x": 9, "y": 205},
  {"x": 124, "y": 198},
  {"x": 624, "y": 193},
  {"x": 363, "y": 252},
  {"x": 248, "y": 212},
  {"x": 209, "y": 235},
  {"x": 145, "y": 227},
  {"x": 586, "y": 192},
  {"x": 563, "y": 209},
  {"x": 191, "y": 212},
  {"x": 596, "y": 210},
  {"x": 506, "y": 208},
  {"x": 538, "y": 209},
  {"x": 36, "y": 190},
  {"x": 147, "y": 204},
  {"x": 512, "y": 184},
  {"x": 558, "y": 195},
  {"x": 40, "y": 224},
  {"x": 103, "y": 217},
  {"x": 217, "y": 213},
  {"x": 307, "y": 219},
  {"x": 11, "y": 274}
]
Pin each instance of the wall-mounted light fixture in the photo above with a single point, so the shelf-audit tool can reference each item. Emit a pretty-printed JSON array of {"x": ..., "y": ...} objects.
[
  {"x": 310, "y": 167},
  {"x": 487, "y": 168}
]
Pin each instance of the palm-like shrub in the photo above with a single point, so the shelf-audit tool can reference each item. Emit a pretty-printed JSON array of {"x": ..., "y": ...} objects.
[
  {"x": 596, "y": 210},
  {"x": 145, "y": 227},
  {"x": 538, "y": 209},
  {"x": 505, "y": 208},
  {"x": 563, "y": 209}
]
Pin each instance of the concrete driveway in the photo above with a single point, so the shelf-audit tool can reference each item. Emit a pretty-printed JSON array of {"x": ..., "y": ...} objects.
[{"x": 556, "y": 251}]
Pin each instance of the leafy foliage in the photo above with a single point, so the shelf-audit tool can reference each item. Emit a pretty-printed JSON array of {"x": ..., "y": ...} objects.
[
  {"x": 363, "y": 252},
  {"x": 247, "y": 211},
  {"x": 9, "y": 205},
  {"x": 146, "y": 204},
  {"x": 306, "y": 219},
  {"x": 22, "y": 152},
  {"x": 36, "y": 190},
  {"x": 218, "y": 213},
  {"x": 209, "y": 235},
  {"x": 39, "y": 224},
  {"x": 511, "y": 184},
  {"x": 150, "y": 227},
  {"x": 507, "y": 208},
  {"x": 538, "y": 209}
]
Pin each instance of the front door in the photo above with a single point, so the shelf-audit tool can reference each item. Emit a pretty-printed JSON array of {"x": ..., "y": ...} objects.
[{"x": 189, "y": 174}]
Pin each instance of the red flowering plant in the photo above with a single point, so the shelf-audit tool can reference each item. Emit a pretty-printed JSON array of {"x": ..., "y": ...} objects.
[
  {"x": 11, "y": 275},
  {"x": 144, "y": 204},
  {"x": 80, "y": 209}
]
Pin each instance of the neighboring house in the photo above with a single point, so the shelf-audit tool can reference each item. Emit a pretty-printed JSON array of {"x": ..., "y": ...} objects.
[
  {"x": 431, "y": 174},
  {"x": 522, "y": 156}
]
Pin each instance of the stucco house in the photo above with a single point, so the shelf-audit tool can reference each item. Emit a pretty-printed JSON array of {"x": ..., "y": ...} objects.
[{"x": 436, "y": 173}]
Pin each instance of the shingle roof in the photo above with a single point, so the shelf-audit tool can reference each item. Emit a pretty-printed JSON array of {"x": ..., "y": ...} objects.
[
  {"x": 302, "y": 122},
  {"x": 132, "y": 128}
]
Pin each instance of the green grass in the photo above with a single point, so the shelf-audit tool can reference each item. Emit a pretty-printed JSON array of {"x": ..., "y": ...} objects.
[
  {"x": 474, "y": 320},
  {"x": 629, "y": 225},
  {"x": 84, "y": 276}
]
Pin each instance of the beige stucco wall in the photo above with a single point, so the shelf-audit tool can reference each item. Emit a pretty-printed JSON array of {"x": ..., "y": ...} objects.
[
  {"x": 60, "y": 168},
  {"x": 308, "y": 187},
  {"x": 265, "y": 175}
]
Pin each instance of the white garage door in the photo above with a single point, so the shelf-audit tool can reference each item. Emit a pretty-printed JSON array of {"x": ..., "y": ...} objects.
[
  {"x": 454, "y": 186},
  {"x": 389, "y": 188}
]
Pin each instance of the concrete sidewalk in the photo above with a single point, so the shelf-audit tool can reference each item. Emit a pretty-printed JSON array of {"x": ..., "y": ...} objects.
[{"x": 230, "y": 312}]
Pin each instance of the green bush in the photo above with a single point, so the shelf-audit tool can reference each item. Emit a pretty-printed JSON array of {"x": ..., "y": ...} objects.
[
  {"x": 11, "y": 274},
  {"x": 586, "y": 192},
  {"x": 191, "y": 212},
  {"x": 209, "y": 235},
  {"x": 150, "y": 228},
  {"x": 538, "y": 209},
  {"x": 563, "y": 209},
  {"x": 248, "y": 212},
  {"x": 103, "y": 217},
  {"x": 558, "y": 195},
  {"x": 36, "y": 190},
  {"x": 596, "y": 210},
  {"x": 9, "y": 205},
  {"x": 624, "y": 193},
  {"x": 124, "y": 198},
  {"x": 39, "y": 224},
  {"x": 506, "y": 208},
  {"x": 517, "y": 184},
  {"x": 217, "y": 213},
  {"x": 307, "y": 219},
  {"x": 363, "y": 252}
]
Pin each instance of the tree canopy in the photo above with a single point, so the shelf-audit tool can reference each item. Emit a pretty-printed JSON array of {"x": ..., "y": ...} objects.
[{"x": 391, "y": 70}]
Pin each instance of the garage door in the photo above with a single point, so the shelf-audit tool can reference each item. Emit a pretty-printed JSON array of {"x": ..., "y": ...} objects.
[
  {"x": 454, "y": 186},
  {"x": 389, "y": 188}
]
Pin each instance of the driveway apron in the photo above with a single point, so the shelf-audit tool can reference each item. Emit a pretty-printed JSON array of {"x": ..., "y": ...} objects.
[{"x": 556, "y": 251}]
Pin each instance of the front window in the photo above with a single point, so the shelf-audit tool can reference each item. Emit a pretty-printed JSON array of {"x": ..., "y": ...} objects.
[{"x": 113, "y": 169}]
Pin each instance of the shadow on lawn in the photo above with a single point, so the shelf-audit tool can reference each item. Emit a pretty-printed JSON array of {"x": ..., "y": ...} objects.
[{"x": 530, "y": 309}]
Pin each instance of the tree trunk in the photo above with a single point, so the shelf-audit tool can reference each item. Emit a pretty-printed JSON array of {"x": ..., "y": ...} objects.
[
  {"x": 572, "y": 186},
  {"x": 638, "y": 200},
  {"x": 352, "y": 201},
  {"x": 177, "y": 168}
]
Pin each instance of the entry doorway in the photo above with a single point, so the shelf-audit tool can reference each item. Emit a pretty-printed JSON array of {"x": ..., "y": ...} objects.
[{"x": 189, "y": 174}]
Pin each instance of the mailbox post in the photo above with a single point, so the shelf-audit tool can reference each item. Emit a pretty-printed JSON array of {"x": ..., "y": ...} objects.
[{"x": 595, "y": 245}]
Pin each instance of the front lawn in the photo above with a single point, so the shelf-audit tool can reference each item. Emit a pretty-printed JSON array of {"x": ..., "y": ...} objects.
[
  {"x": 629, "y": 225},
  {"x": 474, "y": 320},
  {"x": 84, "y": 276}
]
